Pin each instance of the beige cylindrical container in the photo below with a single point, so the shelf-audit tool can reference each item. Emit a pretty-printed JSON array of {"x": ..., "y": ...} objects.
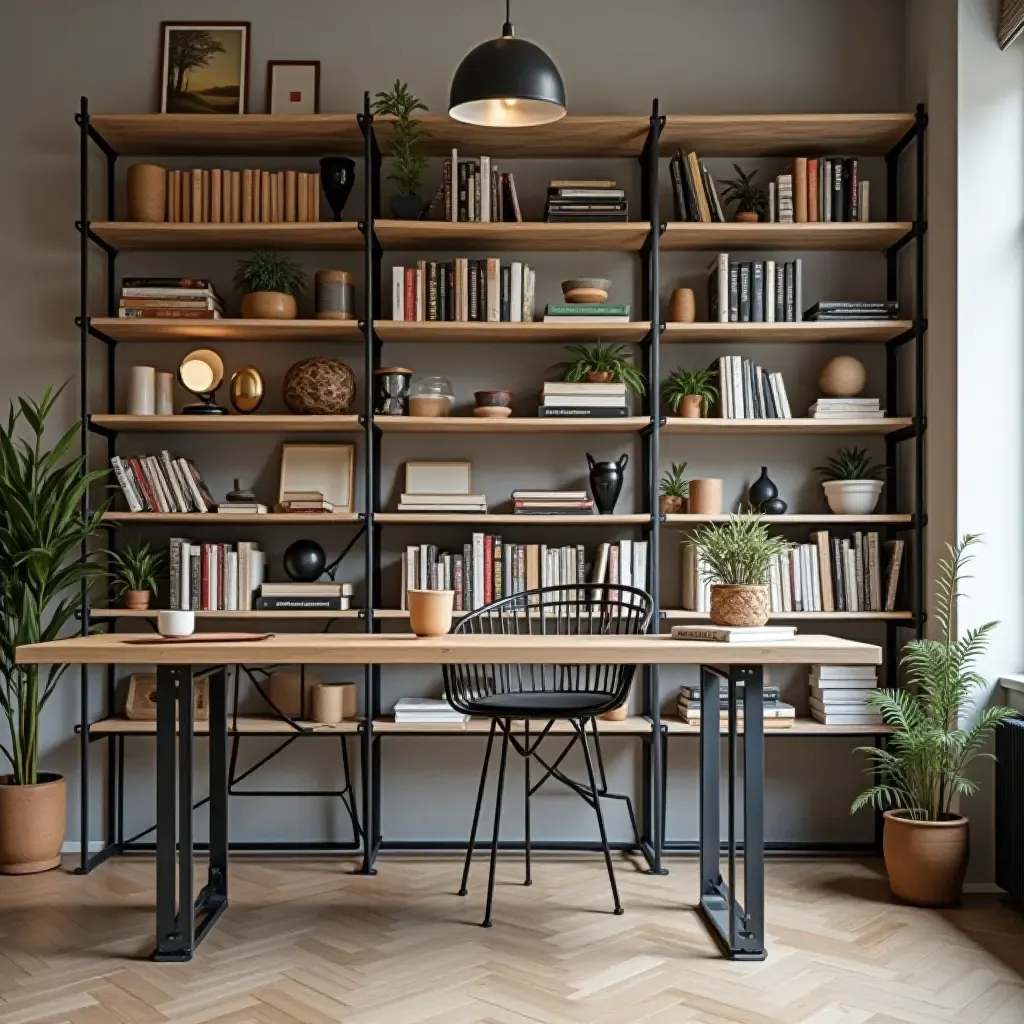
[
  {"x": 334, "y": 295},
  {"x": 284, "y": 689},
  {"x": 706, "y": 497},
  {"x": 146, "y": 186},
  {"x": 331, "y": 703},
  {"x": 142, "y": 391},
  {"x": 165, "y": 394},
  {"x": 430, "y": 611}
]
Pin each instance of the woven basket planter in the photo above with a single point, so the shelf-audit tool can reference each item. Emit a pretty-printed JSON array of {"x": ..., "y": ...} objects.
[{"x": 739, "y": 605}]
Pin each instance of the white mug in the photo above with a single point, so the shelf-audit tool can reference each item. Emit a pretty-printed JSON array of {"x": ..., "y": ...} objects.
[{"x": 175, "y": 623}]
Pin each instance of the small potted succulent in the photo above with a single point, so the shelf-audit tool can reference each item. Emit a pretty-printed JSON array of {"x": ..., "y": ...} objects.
[
  {"x": 407, "y": 166},
  {"x": 271, "y": 282},
  {"x": 738, "y": 557},
  {"x": 135, "y": 571},
  {"x": 674, "y": 490},
  {"x": 602, "y": 364},
  {"x": 852, "y": 482},
  {"x": 689, "y": 393},
  {"x": 751, "y": 200}
]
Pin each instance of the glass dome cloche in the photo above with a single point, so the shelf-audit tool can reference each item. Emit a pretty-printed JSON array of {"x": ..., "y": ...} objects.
[{"x": 431, "y": 396}]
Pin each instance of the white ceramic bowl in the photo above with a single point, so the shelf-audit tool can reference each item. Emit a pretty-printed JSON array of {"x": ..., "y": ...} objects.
[{"x": 852, "y": 497}]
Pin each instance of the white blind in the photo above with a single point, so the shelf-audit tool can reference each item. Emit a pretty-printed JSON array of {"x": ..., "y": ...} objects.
[{"x": 1011, "y": 21}]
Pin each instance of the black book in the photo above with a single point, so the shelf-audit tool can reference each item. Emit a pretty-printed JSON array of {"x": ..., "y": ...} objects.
[
  {"x": 581, "y": 411},
  {"x": 442, "y": 291},
  {"x": 757, "y": 292},
  {"x": 450, "y": 275},
  {"x": 688, "y": 186},
  {"x": 481, "y": 284},
  {"x": 790, "y": 292},
  {"x": 506, "y": 292},
  {"x": 495, "y": 202},
  {"x": 677, "y": 189},
  {"x": 432, "y": 292},
  {"x": 463, "y": 212},
  {"x": 474, "y": 290},
  {"x": 780, "y": 292},
  {"x": 851, "y": 175},
  {"x": 838, "y": 589},
  {"x": 734, "y": 292},
  {"x": 300, "y": 604},
  {"x": 447, "y": 187},
  {"x": 197, "y": 283},
  {"x": 476, "y": 190},
  {"x": 839, "y": 305},
  {"x": 837, "y": 190},
  {"x": 744, "y": 293}
]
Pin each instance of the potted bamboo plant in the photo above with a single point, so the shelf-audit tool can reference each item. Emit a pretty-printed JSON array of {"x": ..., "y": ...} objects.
[
  {"x": 852, "y": 482},
  {"x": 738, "y": 556},
  {"x": 271, "y": 282},
  {"x": 751, "y": 200},
  {"x": 924, "y": 766},
  {"x": 136, "y": 570},
  {"x": 407, "y": 166},
  {"x": 601, "y": 364},
  {"x": 674, "y": 490},
  {"x": 689, "y": 393},
  {"x": 42, "y": 529}
]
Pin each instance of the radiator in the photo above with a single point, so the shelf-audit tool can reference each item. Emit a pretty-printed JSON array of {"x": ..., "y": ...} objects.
[{"x": 1010, "y": 808}]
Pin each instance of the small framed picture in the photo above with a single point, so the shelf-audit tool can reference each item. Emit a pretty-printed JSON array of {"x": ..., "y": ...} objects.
[
  {"x": 293, "y": 87},
  {"x": 317, "y": 477},
  {"x": 205, "y": 67}
]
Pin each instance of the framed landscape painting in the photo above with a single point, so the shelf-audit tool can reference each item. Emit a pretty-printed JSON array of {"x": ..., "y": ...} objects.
[{"x": 205, "y": 67}]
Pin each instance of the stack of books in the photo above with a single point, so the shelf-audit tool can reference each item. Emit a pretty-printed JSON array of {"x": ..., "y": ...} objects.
[
  {"x": 761, "y": 291},
  {"x": 551, "y": 503},
  {"x": 820, "y": 190},
  {"x": 693, "y": 190},
  {"x": 464, "y": 503},
  {"x": 846, "y": 409},
  {"x": 221, "y": 196},
  {"x": 427, "y": 711},
  {"x": 213, "y": 577},
  {"x": 839, "y": 694},
  {"x": 585, "y": 313},
  {"x": 574, "y": 202},
  {"x": 162, "y": 483},
  {"x": 475, "y": 190},
  {"x": 777, "y": 714},
  {"x": 464, "y": 289},
  {"x": 305, "y": 597},
  {"x": 242, "y": 508},
  {"x": 171, "y": 298},
  {"x": 734, "y": 634},
  {"x": 843, "y": 310},
  {"x": 305, "y": 501},
  {"x": 563, "y": 400},
  {"x": 748, "y": 392}
]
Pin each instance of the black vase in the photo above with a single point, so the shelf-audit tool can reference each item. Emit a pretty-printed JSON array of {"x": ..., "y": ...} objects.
[
  {"x": 762, "y": 490},
  {"x": 304, "y": 561},
  {"x": 606, "y": 482},
  {"x": 407, "y": 207},
  {"x": 337, "y": 176}
]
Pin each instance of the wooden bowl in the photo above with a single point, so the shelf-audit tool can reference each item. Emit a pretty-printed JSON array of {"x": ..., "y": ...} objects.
[
  {"x": 586, "y": 289},
  {"x": 492, "y": 412}
]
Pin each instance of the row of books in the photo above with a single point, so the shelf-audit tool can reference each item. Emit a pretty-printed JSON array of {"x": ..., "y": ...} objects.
[
  {"x": 583, "y": 200},
  {"x": 844, "y": 309},
  {"x": 749, "y": 392},
  {"x": 693, "y": 190},
  {"x": 820, "y": 190},
  {"x": 220, "y": 196},
  {"x": 777, "y": 713},
  {"x": 551, "y": 503},
  {"x": 758, "y": 291},
  {"x": 162, "y": 483},
  {"x": 475, "y": 190},
  {"x": 169, "y": 298},
  {"x": 566, "y": 400},
  {"x": 839, "y": 694},
  {"x": 463, "y": 290},
  {"x": 846, "y": 409},
  {"x": 214, "y": 577},
  {"x": 488, "y": 568}
]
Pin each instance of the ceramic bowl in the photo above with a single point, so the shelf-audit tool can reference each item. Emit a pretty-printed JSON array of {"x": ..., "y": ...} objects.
[
  {"x": 586, "y": 289},
  {"x": 492, "y": 412},
  {"x": 498, "y": 397}
]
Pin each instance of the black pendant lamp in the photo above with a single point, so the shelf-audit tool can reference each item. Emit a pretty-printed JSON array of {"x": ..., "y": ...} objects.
[{"x": 507, "y": 83}]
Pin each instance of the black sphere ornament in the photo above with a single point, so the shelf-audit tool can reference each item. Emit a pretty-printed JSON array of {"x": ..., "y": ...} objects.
[
  {"x": 773, "y": 507},
  {"x": 304, "y": 561}
]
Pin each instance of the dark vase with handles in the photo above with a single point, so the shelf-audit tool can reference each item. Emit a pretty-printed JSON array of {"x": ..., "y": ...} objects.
[
  {"x": 606, "y": 482},
  {"x": 337, "y": 176}
]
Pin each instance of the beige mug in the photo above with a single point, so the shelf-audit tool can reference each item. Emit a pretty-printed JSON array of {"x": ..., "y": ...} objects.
[
  {"x": 331, "y": 703},
  {"x": 430, "y": 611},
  {"x": 706, "y": 497}
]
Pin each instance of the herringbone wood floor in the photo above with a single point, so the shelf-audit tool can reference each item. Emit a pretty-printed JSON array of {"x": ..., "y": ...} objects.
[{"x": 304, "y": 941}]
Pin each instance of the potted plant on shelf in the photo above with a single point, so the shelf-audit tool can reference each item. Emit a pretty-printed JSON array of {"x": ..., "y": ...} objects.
[
  {"x": 135, "y": 571},
  {"x": 924, "y": 765},
  {"x": 738, "y": 556},
  {"x": 271, "y": 282},
  {"x": 852, "y": 482},
  {"x": 674, "y": 490},
  {"x": 689, "y": 393},
  {"x": 601, "y": 364},
  {"x": 407, "y": 165},
  {"x": 42, "y": 529},
  {"x": 751, "y": 200}
]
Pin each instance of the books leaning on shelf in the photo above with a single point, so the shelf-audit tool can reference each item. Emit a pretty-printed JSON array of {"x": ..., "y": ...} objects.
[
  {"x": 475, "y": 190},
  {"x": 846, "y": 409},
  {"x": 585, "y": 313},
  {"x": 221, "y": 196},
  {"x": 822, "y": 312},
  {"x": 693, "y": 190},
  {"x": 463, "y": 289},
  {"x": 777, "y": 713},
  {"x": 814, "y": 190},
  {"x": 748, "y": 392},
  {"x": 734, "y": 634},
  {"x": 427, "y": 711},
  {"x": 838, "y": 694},
  {"x": 305, "y": 597},
  {"x": 460, "y": 503},
  {"x": 214, "y": 577},
  {"x": 158, "y": 298},
  {"x": 761, "y": 291},
  {"x": 564, "y": 400},
  {"x": 162, "y": 483},
  {"x": 551, "y": 503},
  {"x": 577, "y": 202}
]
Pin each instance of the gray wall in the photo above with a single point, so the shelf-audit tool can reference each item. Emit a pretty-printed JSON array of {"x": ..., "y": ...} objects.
[{"x": 696, "y": 56}]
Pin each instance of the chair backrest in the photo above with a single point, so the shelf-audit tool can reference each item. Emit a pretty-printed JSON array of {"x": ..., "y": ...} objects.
[{"x": 586, "y": 609}]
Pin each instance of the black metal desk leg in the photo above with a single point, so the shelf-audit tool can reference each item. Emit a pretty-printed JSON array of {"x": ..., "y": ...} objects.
[
  {"x": 217, "y": 877},
  {"x": 168, "y": 940},
  {"x": 710, "y": 864},
  {"x": 752, "y": 933}
]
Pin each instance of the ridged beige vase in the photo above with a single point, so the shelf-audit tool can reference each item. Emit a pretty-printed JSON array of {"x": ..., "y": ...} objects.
[
  {"x": 739, "y": 605},
  {"x": 926, "y": 860},
  {"x": 32, "y": 823}
]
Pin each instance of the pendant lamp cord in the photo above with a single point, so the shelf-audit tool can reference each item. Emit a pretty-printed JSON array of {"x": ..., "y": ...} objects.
[{"x": 507, "y": 29}]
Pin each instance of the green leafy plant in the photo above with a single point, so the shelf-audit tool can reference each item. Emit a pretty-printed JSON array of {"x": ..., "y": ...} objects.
[
  {"x": 738, "y": 553},
  {"x": 741, "y": 190},
  {"x": 602, "y": 358},
  {"x": 137, "y": 567},
  {"x": 269, "y": 270},
  {"x": 42, "y": 530},
  {"x": 408, "y": 166},
  {"x": 673, "y": 485},
  {"x": 681, "y": 383},
  {"x": 851, "y": 464},
  {"x": 924, "y": 765}
]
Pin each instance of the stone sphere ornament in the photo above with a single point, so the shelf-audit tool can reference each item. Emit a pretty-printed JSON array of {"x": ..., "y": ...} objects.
[
  {"x": 319, "y": 386},
  {"x": 304, "y": 561},
  {"x": 842, "y": 377}
]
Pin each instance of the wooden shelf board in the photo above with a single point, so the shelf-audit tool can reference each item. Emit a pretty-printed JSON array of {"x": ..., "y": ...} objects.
[
  {"x": 837, "y": 333},
  {"x": 230, "y": 134},
  {"x": 800, "y": 727},
  {"x": 634, "y": 726},
  {"x": 796, "y": 519},
  {"x": 321, "y": 235},
  {"x": 678, "y": 615},
  {"x": 252, "y": 725},
  {"x": 513, "y": 425},
  {"x": 500, "y": 333},
  {"x": 220, "y": 518},
  {"x": 257, "y": 423},
  {"x": 783, "y": 134},
  {"x": 442, "y": 236},
  {"x": 804, "y": 425},
  {"x": 503, "y": 519},
  {"x": 151, "y": 613},
  {"x": 871, "y": 236},
  {"x": 139, "y": 329}
]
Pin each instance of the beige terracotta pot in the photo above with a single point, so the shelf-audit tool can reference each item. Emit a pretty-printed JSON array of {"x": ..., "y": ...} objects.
[
  {"x": 706, "y": 497},
  {"x": 137, "y": 599},
  {"x": 682, "y": 307},
  {"x": 32, "y": 823},
  {"x": 691, "y": 407},
  {"x": 430, "y": 611},
  {"x": 600, "y": 377},
  {"x": 269, "y": 306},
  {"x": 747, "y": 217},
  {"x": 926, "y": 860},
  {"x": 739, "y": 605},
  {"x": 146, "y": 188},
  {"x": 670, "y": 505}
]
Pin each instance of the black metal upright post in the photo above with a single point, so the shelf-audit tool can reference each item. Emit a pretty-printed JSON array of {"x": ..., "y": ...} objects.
[{"x": 920, "y": 420}]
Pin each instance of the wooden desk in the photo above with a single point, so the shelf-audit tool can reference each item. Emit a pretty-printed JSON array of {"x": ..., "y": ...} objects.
[{"x": 739, "y": 929}]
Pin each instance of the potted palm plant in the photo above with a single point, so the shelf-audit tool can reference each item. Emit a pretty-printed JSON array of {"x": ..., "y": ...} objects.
[
  {"x": 689, "y": 393},
  {"x": 136, "y": 570},
  {"x": 601, "y": 364},
  {"x": 674, "y": 490},
  {"x": 407, "y": 166},
  {"x": 924, "y": 766},
  {"x": 738, "y": 556},
  {"x": 852, "y": 482},
  {"x": 42, "y": 530},
  {"x": 271, "y": 282},
  {"x": 751, "y": 200}
]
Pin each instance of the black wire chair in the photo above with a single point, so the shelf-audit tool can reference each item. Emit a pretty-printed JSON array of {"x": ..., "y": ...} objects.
[{"x": 550, "y": 693}]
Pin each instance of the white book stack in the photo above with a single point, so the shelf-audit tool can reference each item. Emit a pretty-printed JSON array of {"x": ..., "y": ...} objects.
[
  {"x": 846, "y": 409},
  {"x": 427, "y": 711},
  {"x": 839, "y": 693},
  {"x": 459, "y": 503},
  {"x": 562, "y": 399}
]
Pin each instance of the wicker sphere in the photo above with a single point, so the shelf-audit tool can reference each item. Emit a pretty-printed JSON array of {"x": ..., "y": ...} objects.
[
  {"x": 319, "y": 386},
  {"x": 842, "y": 377}
]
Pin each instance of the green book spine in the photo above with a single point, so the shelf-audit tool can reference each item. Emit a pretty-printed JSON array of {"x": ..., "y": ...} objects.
[{"x": 586, "y": 309}]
